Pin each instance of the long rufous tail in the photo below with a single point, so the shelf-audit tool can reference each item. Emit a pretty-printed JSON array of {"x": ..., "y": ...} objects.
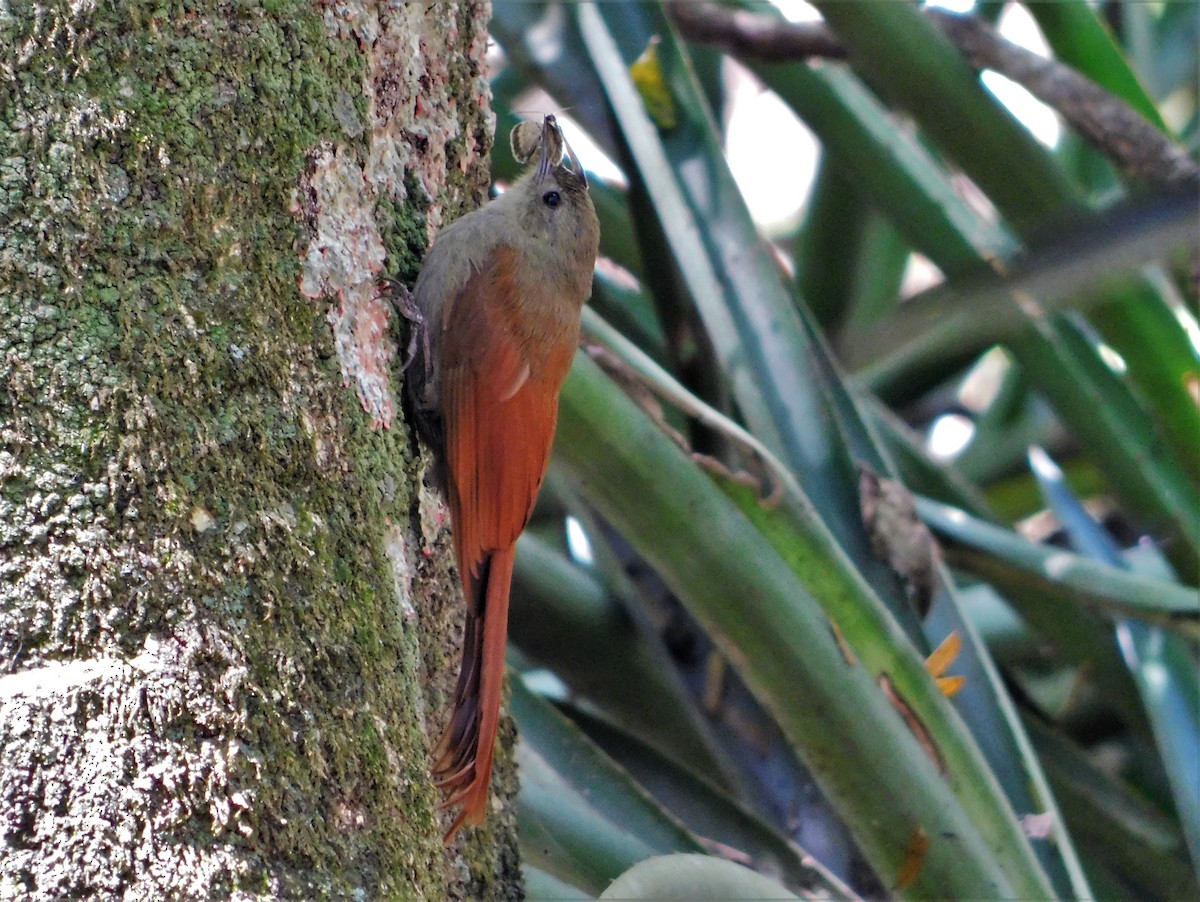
[{"x": 463, "y": 757}]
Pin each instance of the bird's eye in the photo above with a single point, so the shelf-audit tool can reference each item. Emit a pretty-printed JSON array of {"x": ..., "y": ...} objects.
[{"x": 551, "y": 199}]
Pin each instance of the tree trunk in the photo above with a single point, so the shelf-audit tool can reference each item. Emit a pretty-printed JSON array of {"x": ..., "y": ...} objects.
[{"x": 227, "y": 611}]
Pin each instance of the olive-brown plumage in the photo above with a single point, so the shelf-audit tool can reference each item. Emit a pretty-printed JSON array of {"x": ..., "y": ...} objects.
[{"x": 500, "y": 293}]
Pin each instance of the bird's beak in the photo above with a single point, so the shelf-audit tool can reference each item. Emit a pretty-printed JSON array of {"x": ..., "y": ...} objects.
[
  {"x": 575, "y": 164},
  {"x": 551, "y": 150}
]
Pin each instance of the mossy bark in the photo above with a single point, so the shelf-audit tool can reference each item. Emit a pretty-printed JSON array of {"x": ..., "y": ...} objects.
[{"x": 226, "y": 605}]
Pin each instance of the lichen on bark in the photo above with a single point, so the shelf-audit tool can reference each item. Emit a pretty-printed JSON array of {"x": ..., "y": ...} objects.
[{"x": 223, "y": 630}]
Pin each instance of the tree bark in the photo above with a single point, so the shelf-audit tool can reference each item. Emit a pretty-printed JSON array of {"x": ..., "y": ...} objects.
[{"x": 226, "y": 603}]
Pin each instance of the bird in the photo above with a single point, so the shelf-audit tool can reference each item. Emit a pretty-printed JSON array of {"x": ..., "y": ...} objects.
[{"x": 499, "y": 297}]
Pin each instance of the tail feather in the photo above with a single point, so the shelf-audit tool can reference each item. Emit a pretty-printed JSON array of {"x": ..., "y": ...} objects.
[{"x": 463, "y": 757}]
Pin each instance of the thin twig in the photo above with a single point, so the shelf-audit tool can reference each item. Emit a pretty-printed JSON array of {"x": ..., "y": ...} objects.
[
  {"x": 1106, "y": 121},
  {"x": 744, "y": 33}
]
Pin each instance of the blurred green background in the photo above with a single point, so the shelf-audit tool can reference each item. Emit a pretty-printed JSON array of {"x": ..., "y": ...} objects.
[{"x": 824, "y": 279}]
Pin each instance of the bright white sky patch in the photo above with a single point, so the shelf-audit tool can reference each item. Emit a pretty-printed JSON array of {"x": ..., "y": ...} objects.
[
  {"x": 798, "y": 10},
  {"x": 1042, "y": 465},
  {"x": 949, "y": 436},
  {"x": 578, "y": 544},
  {"x": 772, "y": 154},
  {"x": 1190, "y": 326},
  {"x": 1035, "y": 115},
  {"x": 1115, "y": 361},
  {"x": 1017, "y": 25},
  {"x": 953, "y": 6},
  {"x": 982, "y": 383},
  {"x": 591, "y": 157},
  {"x": 920, "y": 274}
]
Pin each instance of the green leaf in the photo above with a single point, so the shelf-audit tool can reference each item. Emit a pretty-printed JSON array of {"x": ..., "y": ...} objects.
[
  {"x": 893, "y": 40},
  {"x": 563, "y": 616},
  {"x": 1176, "y": 35},
  {"x": 1077, "y": 270},
  {"x": 630, "y": 311},
  {"x": 1013, "y": 563},
  {"x": 909, "y": 61},
  {"x": 709, "y": 812},
  {"x": 830, "y": 248},
  {"x": 766, "y": 351},
  {"x": 1160, "y": 359},
  {"x": 853, "y": 740},
  {"x": 1078, "y": 38},
  {"x": 693, "y": 877},
  {"x": 1130, "y": 835},
  {"x": 988, "y": 711},
  {"x": 543, "y": 887},
  {"x": 887, "y": 165},
  {"x": 580, "y": 817}
]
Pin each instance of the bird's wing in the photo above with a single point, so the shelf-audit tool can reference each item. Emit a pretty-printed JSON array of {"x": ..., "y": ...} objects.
[{"x": 499, "y": 413}]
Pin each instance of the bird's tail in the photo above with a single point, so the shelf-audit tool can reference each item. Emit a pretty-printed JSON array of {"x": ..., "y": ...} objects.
[{"x": 463, "y": 757}]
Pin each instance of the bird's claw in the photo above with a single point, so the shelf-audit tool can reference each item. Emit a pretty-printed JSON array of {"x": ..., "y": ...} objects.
[{"x": 406, "y": 305}]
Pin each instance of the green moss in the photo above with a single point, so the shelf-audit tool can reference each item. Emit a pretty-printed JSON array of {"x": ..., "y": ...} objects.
[
  {"x": 195, "y": 373},
  {"x": 404, "y": 232}
]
